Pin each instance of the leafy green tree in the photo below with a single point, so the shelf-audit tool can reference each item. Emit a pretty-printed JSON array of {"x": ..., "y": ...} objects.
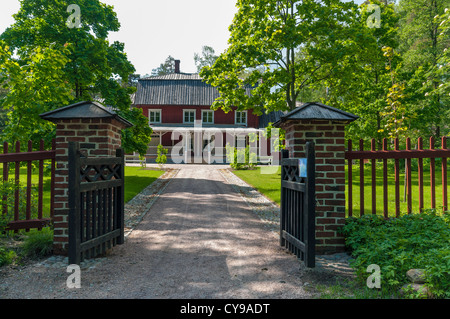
[
  {"x": 395, "y": 111},
  {"x": 421, "y": 49},
  {"x": 36, "y": 84},
  {"x": 95, "y": 68},
  {"x": 93, "y": 60},
  {"x": 442, "y": 69},
  {"x": 3, "y": 112},
  {"x": 133, "y": 79},
  {"x": 444, "y": 59},
  {"x": 363, "y": 86},
  {"x": 168, "y": 67},
  {"x": 207, "y": 57},
  {"x": 283, "y": 47}
]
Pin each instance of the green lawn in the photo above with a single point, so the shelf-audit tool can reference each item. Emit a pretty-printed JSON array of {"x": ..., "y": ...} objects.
[
  {"x": 269, "y": 185},
  {"x": 391, "y": 190},
  {"x": 136, "y": 179}
]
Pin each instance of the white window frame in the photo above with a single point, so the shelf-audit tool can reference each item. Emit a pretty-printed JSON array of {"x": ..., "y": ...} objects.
[
  {"x": 150, "y": 116},
  {"x": 208, "y": 112},
  {"x": 236, "y": 118},
  {"x": 184, "y": 115}
]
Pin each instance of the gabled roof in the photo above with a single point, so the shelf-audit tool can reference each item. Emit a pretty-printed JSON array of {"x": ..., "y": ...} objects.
[
  {"x": 176, "y": 89},
  {"x": 271, "y": 117},
  {"x": 175, "y": 76},
  {"x": 317, "y": 111},
  {"x": 83, "y": 110}
]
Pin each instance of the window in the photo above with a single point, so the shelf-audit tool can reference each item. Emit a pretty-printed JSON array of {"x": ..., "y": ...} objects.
[
  {"x": 154, "y": 116},
  {"x": 188, "y": 116},
  {"x": 208, "y": 117},
  {"x": 241, "y": 117}
]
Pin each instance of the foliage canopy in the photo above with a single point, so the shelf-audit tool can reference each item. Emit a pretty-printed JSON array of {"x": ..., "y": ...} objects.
[{"x": 80, "y": 63}]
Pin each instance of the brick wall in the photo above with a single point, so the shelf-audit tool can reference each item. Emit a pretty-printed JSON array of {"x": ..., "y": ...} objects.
[
  {"x": 97, "y": 137},
  {"x": 329, "y": 139}
]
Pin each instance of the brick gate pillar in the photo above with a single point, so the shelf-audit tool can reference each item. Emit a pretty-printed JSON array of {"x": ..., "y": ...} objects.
[
  {"x": 99, "y": 132},
  {"x": 325, "y": 126}
]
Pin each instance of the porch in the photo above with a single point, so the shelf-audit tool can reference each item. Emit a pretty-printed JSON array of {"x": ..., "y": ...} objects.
[{"x": 197, "y": 144}]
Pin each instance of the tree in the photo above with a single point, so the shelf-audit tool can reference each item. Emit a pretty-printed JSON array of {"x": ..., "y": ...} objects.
[
  {"x": 395, "y": 111},
  {"x": 95, "y": 68},
  {"x": 207, "y": 58},
  {"x": 284, "y": 46},
  {"x": 133, "y": 80},
  {"x": 362, "y": 88},
  {"x": 421, "y": 49},
  {"x": 34, "y": 85},
  {"x": 168, "y": 67},
  {"x": 443, "y": 69},
  {"x": 3, "y": 112},
  {"x": 161, "y": 159}
]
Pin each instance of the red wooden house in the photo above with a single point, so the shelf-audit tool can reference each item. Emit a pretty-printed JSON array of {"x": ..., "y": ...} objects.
[{"x": 178, "y": 107}]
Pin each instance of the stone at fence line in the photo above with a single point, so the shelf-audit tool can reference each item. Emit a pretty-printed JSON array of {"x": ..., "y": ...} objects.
[
  {"x": 416, "y": 276},
  {"x": 423, "y": 290},
  {"x": 417, "y": 279}
]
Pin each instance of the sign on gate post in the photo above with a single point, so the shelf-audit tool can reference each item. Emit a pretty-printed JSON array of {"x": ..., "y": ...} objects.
[
  {"x": 302, "y": 166},
  {"x": 325, "y": 126}
]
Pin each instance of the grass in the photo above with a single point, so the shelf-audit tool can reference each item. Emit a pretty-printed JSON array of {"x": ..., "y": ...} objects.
[
  {"x": 136, "y": 179},
  {"x": 269, "y": 185},
  {"x": 14, "y": 248},
  {"x": 346, "y": 288},
  {"x": 391, "y": 190},
  {"x": 395, "y": 259}
]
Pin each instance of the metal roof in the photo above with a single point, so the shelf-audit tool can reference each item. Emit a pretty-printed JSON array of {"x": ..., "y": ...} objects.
[
  {"x": 175, "y": 76},
  {"x": 176, "y": 89},
  {"x": 271, "y": 117},
  {"x": 317, "y": 111},
  {"x": 83, "y": 110}
]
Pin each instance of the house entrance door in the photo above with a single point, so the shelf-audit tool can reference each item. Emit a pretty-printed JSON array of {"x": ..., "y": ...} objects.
[{"x": 199, "y": 148}]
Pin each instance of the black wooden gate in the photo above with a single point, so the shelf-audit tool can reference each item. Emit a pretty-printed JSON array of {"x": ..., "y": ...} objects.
[
  {"x": 297, "y": 220},
  {"x": 96, "y": 204}
]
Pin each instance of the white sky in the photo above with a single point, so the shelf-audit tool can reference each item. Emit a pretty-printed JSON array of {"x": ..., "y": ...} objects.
[{"x": 154, "y": 29}]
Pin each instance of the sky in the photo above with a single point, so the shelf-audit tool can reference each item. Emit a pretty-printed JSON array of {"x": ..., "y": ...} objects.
[{"x": 154, "y": 29}]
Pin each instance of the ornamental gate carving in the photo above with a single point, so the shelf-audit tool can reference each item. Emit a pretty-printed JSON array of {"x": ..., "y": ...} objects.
[{"x": 96, "y": 203}]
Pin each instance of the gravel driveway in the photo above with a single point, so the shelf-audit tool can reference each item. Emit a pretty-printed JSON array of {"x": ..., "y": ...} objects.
[{"x": 200, "y": 239}]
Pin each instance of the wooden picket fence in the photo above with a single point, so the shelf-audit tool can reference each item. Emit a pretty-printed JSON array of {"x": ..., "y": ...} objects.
[
  {"x": 22, "y": 216},
  {"x": 396, "y": 154}
]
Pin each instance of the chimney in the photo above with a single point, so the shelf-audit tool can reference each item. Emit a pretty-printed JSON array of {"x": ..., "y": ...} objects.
[{"x": 177, "y": 66}]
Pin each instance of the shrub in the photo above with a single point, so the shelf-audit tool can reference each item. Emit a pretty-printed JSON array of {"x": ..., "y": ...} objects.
[
  {"x": 7, "y": 199},
  {"x": 399, "y": 244},
  {"x": 7, "y": 256},
  {"x": 240, "y": 158},
  {"x": 38, "y": 243}
]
